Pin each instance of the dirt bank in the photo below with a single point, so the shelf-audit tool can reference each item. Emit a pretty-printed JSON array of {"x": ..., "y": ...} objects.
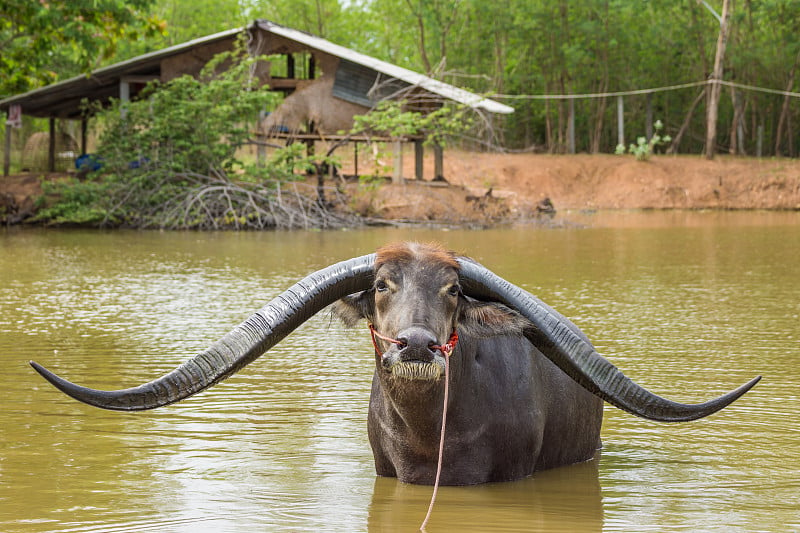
[
  {"x": 492, "y": 186},
  {"x": 621, "y": 182},
  {"x": 488, "y": 187}
]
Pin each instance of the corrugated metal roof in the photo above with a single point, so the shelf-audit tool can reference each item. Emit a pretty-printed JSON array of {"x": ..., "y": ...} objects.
[
  {"x": 63, "y": 99},
  {"x": 409, "y": 76}
]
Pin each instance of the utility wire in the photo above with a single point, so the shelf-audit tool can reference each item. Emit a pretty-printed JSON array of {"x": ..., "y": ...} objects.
[{"x": 642, "y": 91}]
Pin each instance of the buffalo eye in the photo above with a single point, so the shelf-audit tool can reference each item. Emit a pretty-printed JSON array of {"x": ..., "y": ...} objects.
[
  {"x": 381, "y": 286},
  {"x": 453, "y": 290}
]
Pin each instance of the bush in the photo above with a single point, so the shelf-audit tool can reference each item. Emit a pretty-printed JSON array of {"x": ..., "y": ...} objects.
[{"x": 169, "y": 160}]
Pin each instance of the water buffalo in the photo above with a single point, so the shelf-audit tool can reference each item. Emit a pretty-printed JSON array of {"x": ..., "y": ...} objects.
[{"x": 526, "y": 385}]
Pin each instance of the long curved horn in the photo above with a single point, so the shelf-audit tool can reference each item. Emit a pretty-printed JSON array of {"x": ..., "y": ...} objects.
[
  {"x": 565, "y": 345},
  {"x": 245, "y": 343}
]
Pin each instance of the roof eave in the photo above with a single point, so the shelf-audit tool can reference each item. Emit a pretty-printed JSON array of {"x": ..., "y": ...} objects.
[{"x": 446, "y": 90}]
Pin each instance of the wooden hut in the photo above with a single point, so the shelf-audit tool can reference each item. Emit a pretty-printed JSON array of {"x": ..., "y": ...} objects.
[{"x": 325, "y": 84}]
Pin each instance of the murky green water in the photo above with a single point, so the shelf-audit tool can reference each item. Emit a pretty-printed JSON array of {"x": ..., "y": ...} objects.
[{"x": 689, "y": 304}]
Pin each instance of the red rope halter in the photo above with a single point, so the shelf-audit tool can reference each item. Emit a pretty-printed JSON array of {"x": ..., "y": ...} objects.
[{"x": 446, "y": 348}]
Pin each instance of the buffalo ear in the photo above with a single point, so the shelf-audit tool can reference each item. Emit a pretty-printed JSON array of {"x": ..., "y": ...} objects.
[
  {"x": 354, "y": 307},
  {"x": 487, "y": 319}
]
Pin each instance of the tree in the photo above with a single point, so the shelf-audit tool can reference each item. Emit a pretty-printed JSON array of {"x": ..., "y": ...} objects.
[
  {"x": 36, "y": 34},
  {"x": 320, "y": 17},
  {"x": 716, "y": 76},
  {"x": 185, "y": 21}
]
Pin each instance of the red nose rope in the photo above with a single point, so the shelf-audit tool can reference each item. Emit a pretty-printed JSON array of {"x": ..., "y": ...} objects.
[{"x": 447, "y": 349}]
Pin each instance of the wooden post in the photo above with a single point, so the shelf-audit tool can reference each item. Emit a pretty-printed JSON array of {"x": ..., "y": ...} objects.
[
  {"x": 83, "y": 135},
  {"x": 355, "y": 158},
  {"x": 438, "y": 163},
  {"x": 310, "y": 148},
  {"x": 397, "y": 174},
  {"x": 51, "y": 149},
  {"x": 740, "y": 134},
  {"x": 261, "y": 149},
  {"x": 7, "y": 151},
  {"x": 571, "y": 126},
  {"x": 419, "y": 152},
  {"x": 620, "y": 121},
  {"x": 648, "y": 117},
  {"x": 760, "y": 140},
  {"x": 261, "y": 138},
  {"x": 124, "y": 96}
]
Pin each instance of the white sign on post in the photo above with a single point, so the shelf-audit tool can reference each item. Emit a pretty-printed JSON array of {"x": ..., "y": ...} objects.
[{"x": 14, "y": 116}]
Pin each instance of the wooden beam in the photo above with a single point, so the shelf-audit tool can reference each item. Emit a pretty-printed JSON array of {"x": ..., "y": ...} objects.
[
  {"x": 283, "y": 83},
  {"x": 335, "y": 137},
  {"x": 139, "y": 79},
  {"x": 620, "y": 121}
]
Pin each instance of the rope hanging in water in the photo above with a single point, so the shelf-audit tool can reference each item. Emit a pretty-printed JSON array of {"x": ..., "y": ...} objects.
[{"x": 447, "y": 350}]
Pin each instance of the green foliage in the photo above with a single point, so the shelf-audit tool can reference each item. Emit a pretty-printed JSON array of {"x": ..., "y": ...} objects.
[
  {"x": 73, "y": 202},
  {"x": 392, "y": 119},
  {"x": 511, "y": 48},
  {"x": 38, "y": 36},
  {"x": 188, "y": 124},
  {"x": 643, "y": 148},
  {"x": 186, "y": 21},
  {"x": 170, "y": 160}
]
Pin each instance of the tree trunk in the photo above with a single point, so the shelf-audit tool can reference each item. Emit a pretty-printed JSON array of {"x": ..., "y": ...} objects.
[
  {"x": 419, "y": 15},
  {"x": 548, "y": 127},
  {"x": 598, "y": 123},
  {"x": 716, "y": 76},
  {"x": 600, "y": 103},
  {"x": 785, "y": 108},
  {"x": 736, "y": 100}
]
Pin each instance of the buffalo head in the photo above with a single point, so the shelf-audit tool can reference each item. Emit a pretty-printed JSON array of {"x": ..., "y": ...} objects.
[{"x": 415, "y": 306}]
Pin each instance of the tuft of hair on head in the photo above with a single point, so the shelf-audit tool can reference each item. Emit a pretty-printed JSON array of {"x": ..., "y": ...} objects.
[{"x": 405, "y": 252}]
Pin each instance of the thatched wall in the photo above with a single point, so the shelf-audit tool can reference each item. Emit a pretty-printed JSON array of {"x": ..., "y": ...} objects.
[
  {"x": 37, "y": 147},
  {"x": 313, "y": 103}
]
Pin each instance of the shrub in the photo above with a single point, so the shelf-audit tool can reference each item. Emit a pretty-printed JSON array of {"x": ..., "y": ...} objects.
[
  {"x": 169, "y": 160},
  {"x": 643, "y": 148}
]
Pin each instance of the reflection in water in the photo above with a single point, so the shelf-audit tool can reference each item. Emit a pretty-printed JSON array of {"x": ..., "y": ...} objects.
[
  {"x": 563, "y": 499},
  {"x": 690, "y": 305}
]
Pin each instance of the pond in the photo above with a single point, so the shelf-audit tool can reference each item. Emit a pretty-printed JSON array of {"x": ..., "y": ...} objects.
[{"x": 689, "y": 304}]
